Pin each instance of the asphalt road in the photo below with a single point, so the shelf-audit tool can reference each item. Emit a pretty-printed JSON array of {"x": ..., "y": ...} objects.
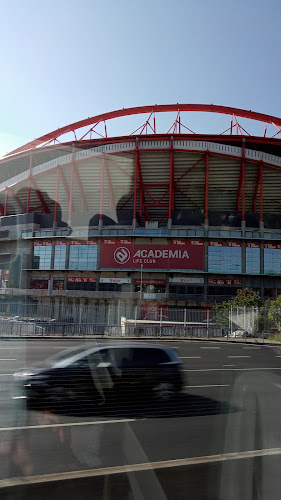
[{"x": 221, "y": 438}]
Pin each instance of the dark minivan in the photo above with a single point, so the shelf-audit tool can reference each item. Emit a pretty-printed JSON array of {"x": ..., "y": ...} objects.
[{"x": 100, "y": 374}]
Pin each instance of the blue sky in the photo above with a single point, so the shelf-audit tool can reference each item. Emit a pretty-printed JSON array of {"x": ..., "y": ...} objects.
[{"x": 63, "y": 60}]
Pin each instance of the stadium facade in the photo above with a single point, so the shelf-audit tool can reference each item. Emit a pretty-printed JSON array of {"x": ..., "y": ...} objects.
[{"x": 162, "y": 220}]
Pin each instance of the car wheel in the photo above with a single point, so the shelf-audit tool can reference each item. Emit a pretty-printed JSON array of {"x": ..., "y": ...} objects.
[{"x": 164, "y": 391}]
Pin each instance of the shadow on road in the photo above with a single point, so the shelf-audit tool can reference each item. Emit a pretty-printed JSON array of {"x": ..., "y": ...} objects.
[{"x": 183, "y": 405}]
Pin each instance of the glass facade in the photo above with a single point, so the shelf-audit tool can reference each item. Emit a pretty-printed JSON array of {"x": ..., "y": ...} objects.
[
  {"x": 252, "y": 259},
  {"x": 60, "y": 255},
  {"x": 42, "y": 255},
  {"x": 272, "y": 259},
  {"x": 224, "y": 259},
  {"x": 83, "y": 256}
]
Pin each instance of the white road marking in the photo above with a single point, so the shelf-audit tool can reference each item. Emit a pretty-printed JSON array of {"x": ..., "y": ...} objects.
[
  {"x": 228, "y": 365},
  {"x": 253, "y": 348},
  {"x": 8, "y": 359},
  {"x": 69, "y": 424},
  {"x": 119, "y": 469},
  {"x": 190, "y": 357},
  {"x": 277, "y": 356},
  {"x": 210, "y": 347},
  {"x": 6, "y": 374},
  {"x": 239, "y": 356},
  {"x": 228, "y": 369},
  {"x": 210, "y": 385}
]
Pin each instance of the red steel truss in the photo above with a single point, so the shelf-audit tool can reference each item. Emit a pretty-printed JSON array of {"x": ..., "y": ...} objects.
[
  {"x": 148, "y": 127},
  {"x": 142, "y": 196}
]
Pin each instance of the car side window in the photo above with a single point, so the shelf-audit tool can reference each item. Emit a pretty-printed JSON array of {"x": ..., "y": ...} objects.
[
  {"x": 80, "y": 363},
  {"x": 149, "y": 357}
]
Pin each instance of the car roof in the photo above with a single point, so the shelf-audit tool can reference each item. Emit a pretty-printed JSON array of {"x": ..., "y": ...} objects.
[{"x": 92, "y": 348}]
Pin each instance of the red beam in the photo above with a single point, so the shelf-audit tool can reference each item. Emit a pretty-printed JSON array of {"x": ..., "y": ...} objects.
[
  {"x": 172, "y": 180},
  {"x": 64, "y": 182},
  {"x": 254, "y": 206},
  {"x": 6, "y": 202},
  {"x": 112, "y": 198},
  {"x": 162, "y": 108},
  {"x": 102, "y": 189},
  {"x": 45, "y": 207},
  {"x": 57, "y": 196},
  {"x": 261, "y": 192},
  {"x": 187, "y": 197},
  {"x": 207, "y": 186},
  {"x": 191, "y": 168},
  {"x": 136, "y": 180},
  {"x": 243, "y": 180},
  {"x": 16, "y": 198},
  {"x": 70, "y": 205},
  {"x": 84, "y": 201}
]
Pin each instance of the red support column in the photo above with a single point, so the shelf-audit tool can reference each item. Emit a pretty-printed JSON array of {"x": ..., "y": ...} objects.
[
  {"x": 243, "y": 180},
  {"x": 16, "y": 198},
  {"x": 172, "y": 181},
  {"x": 57, "y": 195},
  {"x": 207, "y": 187},
  {"x": 112, "y": 198},
  {"x": 6, "y": 202},
  {"x": 29, "y": 186},
  {"x": 254, "y": 207},
  {"x": 70, "y": 196},
  {"x": 136, "y": 178},
  {"x": 102, "y": 187},
  {"x": 261, "y": 192}
]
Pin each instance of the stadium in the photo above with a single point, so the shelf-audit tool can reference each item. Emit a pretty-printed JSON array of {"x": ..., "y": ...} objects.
[{"x": 159, "y": 220}]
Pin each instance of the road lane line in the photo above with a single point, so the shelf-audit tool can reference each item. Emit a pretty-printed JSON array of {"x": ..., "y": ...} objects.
[
  {"x": 119, "y": 469},
  {"x": 228, "y": 365},
  {"x": 209, "y": 385},
  {"x": 191, "y": 357},
  {"x": 227, "y": 369},
  {"x": 210, "y": 347},
  {"x": 277, "y": 356},
  {"x": 239, "y": 356},
  {"x": 6, "y": 374},
  {"x": 253, "y": 348},
  {"x": 8, "y": 359},
  {"x": 68, "y": 424}
]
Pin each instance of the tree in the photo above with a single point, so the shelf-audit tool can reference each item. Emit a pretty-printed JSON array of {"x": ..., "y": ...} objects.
[
  {"x": 274, "y": 311},
  {"x": 245, "y": 297}
]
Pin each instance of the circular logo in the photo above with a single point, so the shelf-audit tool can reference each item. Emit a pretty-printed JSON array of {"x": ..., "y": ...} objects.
[{"x": 122, "y": 255}]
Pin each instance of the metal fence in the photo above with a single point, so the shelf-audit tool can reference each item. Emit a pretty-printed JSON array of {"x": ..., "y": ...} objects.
[{"x": 80, "y": 319}]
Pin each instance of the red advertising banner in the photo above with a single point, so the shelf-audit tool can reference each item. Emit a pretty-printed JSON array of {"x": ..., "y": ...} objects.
[
  {"x": 222, "y": 281},
  {"x": 81, "y": 280},
  {"x": 60, "y": 243},
  {"x": 152, "y": 256},
  {"x": 150, "y": 281},
  {"x": 272, "y": 245},
  {"x": 252, "y": 245},
  {"x": 42, "y": 243},
  {"x": 187, "y": 242},
  {"x": 215, "y": 243},
  {"x": 83, "y": 242}
]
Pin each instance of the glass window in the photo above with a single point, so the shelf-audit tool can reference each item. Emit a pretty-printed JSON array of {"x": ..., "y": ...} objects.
[
  {"x": 252, "y": 260},
  {"x": 42, "y": 256},
  {"x": 88, "y": 286},
  {"x": 272, "y": 260},
  {"x": 110, "y": 287},
  {"x": 224, "y": 259},
  {"x": 214, "y": 233},
  {"x": 149, "y": 357},
  {"x": 26, "y": 234},
  {"x": 60, "y": 255},
  {"x": 83, "y": 257}
]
